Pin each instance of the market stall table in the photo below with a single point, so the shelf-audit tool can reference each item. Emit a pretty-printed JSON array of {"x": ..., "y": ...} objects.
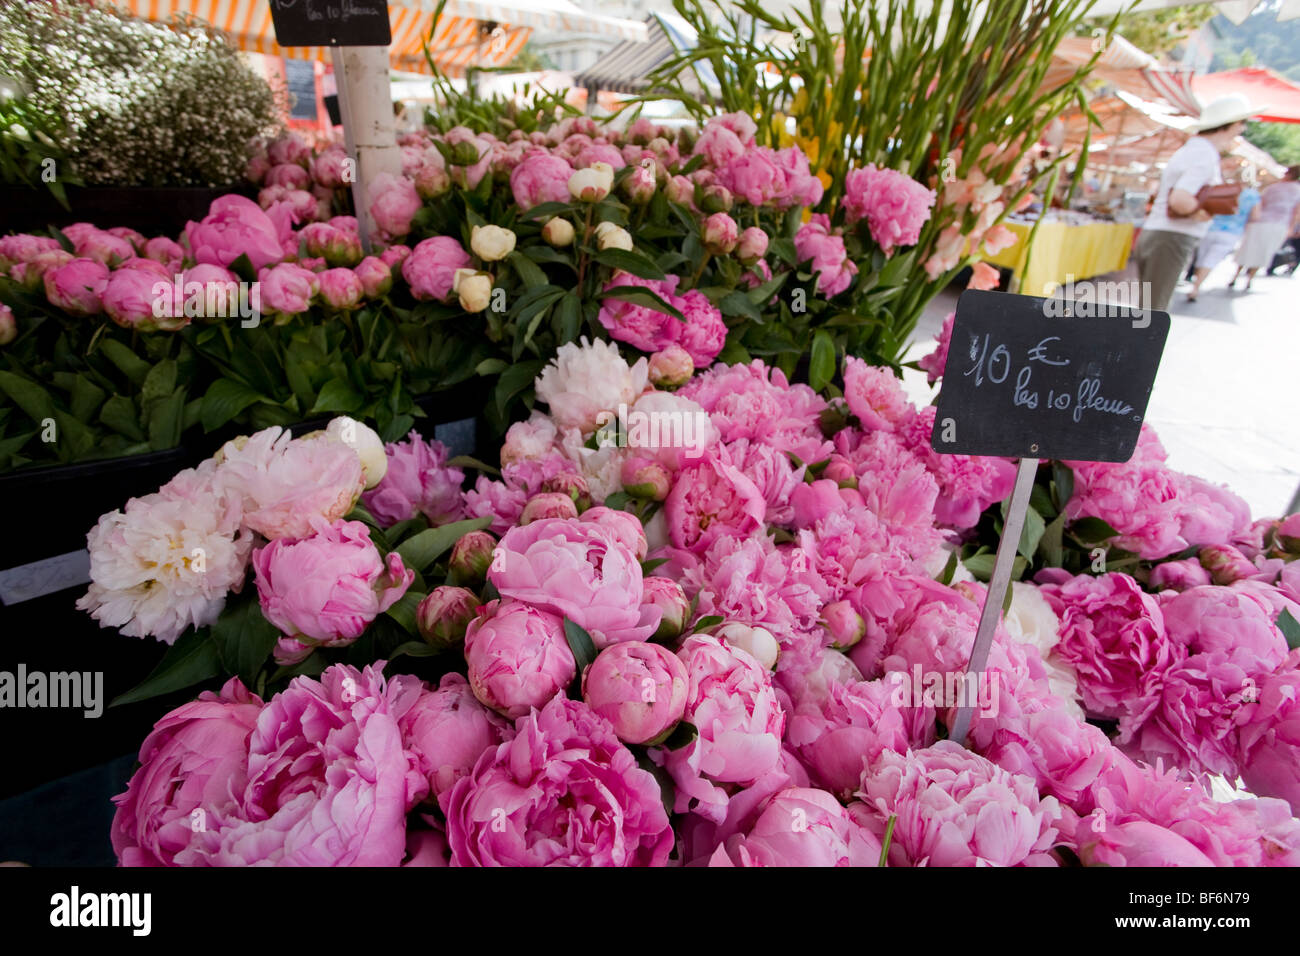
[{"x": 1062, "y": 250}]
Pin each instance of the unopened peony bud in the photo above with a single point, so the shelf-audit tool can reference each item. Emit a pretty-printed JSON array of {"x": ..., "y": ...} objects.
[
  {"x": 432, "y": 181},
  {"x": 491, "y": 243},
  {"x": 840, "y": 470},
  {"x": 845, "y": 625},
  {"x": 667, "y": 595},
  {"x": 571, "y": 484},
  {"x": 1225, "y": 563},
  {"x": 558, "y": 232},
  {"x": 671, "y": 366},
  {"x": 365, "y": 442},
  {"x": 593, "y": 183},
  {"x": 758, "y": 642},
  {"x": 646, "y": 478},
  {"x": 548, "y": 504},
  {"x": 681, "y": 191},
  {"x": 752, "y": 245},
  {"x": 720, "y": 234},
  {"x": 8, "y": 325},
  {"x": 444, "y": 614},
  {"x": 471, "y": 556},
  {"x": 376, "y": 277},
  {"x": 716, "y": 199},
  {"x": 473, "y": 289},
  {"x": 639, "y": 688},
  {"x": 610, "y": 236},
  {"x": 640, "y": 185}
]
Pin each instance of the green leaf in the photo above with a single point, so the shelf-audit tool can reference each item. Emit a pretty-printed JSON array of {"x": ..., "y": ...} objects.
[
  {"x": 491, "y": 366},
  {"x": 403, "y": 611},
  {"x": 738, "y": 304},
  {"x": 421, "y": 550},
  {"x": 87, "y": 397},
  {"x": 650, "y": 564},
  {"x": 706, "y": 622},
  {"x": 118, "y": 413},
  {"x": 244, "y": 268},
  {"x": 821, "y": 363},
  {"x": 530, "y": 274},
  {"x": 682, "y": 736},
  {"x": 949, "y": 569},
  {"x": 191, "y": 660},
  {"x": 413, "y": 649},
  {"x": 224, "y": 400},
  {"x": 1040, "y": 499},
  {"x": 1092, "y": 530},
  {"x": 244, "y": 639},
  {"x": 160, "y": 381},
  {"x": 130, "y": 364},
  {"x": 1062, "y": 484},
  {"x": 27, "y": 395},
  {"x": 618, "y": 501},
  {"x": 980, "y": 565},
  {"x": 468, "y": 461},
  {"x": 1290, "y": 628},
  {"x": 889, "y": 836},
  {"x": 337, "y": 395},
  {"x": 582, "y": 646},
  {"x": 1031, "y": 533},
  {"x": 165, "y": 418},
  {"x": 568, "y": 318},
  {"x": 643, "y": 297},
  {"x": 630, "y": 262},
  {"x": 1052, "y": 544}
]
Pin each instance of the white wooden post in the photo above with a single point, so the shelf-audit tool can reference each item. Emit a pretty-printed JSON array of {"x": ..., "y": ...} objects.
[{"x": 366, "y": 107}]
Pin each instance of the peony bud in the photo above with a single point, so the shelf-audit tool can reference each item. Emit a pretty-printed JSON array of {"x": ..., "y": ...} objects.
[
  {"x": 340, "y": 288},
  {"x": 432, "y": 181},
  {"x": 444, "y": 614},
  {"x": 471, "y": 555},
  {"x": 610, "y": 236},
  {"x": 845, "y": 625},
  {"x": 571, "y": 484},
  {"x": 646, "y": 478},
  {"x": 473, "y": 288},
  {"x": 8, "y": 325},
  {"x": 558, "y": 232},
  {"x": 840, "y": 470},
  {"x": 681, "y": 191},
  {"x": 491, "y": 243},
  {"x": 758, "y": 642},
  {"x": 1225, "y": 563},
  {"x": 639, "y": 688},
  {"x": 671, "y": 366},
  {"x": 752, "y": 245},
  {"x": 720, "y": 234},
  {"x": 640, "y": 185},
  {"x": 593, "y": 183},
  {"x": 376, "y": 278},
  {"x": 716, "y": 199},
  {"x": 548, "y": 504},
  {"x": 667, "y": 595},
  {"x": 365, "y": 442}
]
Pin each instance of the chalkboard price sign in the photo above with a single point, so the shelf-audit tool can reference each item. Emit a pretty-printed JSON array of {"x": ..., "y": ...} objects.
[
  {"x": 1047, "y": 378},
  {"x": 331, "y": 22}
]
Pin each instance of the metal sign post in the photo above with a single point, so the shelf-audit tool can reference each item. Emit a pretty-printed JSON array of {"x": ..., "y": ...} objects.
[{"x": 997, "y": 590}]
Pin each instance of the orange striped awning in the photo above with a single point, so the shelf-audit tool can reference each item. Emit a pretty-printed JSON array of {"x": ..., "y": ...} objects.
[{"x": 469, "y": 33}]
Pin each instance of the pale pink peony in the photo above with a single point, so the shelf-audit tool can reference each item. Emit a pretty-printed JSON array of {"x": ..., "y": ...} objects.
[
  {"x": 894, "y": 205},
  {"x": 540, "y": 177},
  {"x": 418, "y": 481},
  {"x": 830, "y": 262},
  {"x": 235, "y": 226},
  {"x": 76, "y": 286},
  {"x": 639, "y": 688},
  {"x": 874, "y": 394},
  {"x": 430, "y": 268},
  {"x": 585, "y": 381},
  {"x": 801, "y": 827},
  {"x": 393, "y": 204},
  {"x": 710, "y": 498},
  {"x": 447, "y": 730},
  {"x": 518, "y": 657}
]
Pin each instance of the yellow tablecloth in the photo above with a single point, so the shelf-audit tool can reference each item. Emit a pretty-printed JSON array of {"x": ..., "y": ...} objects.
[{"x": 1062, "y": 250}]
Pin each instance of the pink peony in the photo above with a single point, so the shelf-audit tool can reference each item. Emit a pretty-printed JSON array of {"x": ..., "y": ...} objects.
[
  {"x": 193, "y": 760},
  {"x": 1269, "y": 737},
  {"x": 129, "y": 300},
  {"x": 579, "y": 570},
  {"x": 431, "y": 267},
  {"x": 801, "y": 827},
  {"x": 329, "y": 783},
  {"x": 540, "y": 177},
  {"x": 710, "y": 498},
  {"x": 955, "y": 808},
  {"x": 894, "y": 205},
  {"x": 76, "y": 286},
  {"x": 831, "y": 264},
  {"x": 705, "y": 333},
  {"x": 518, "y": 657},
  {"x": 639, "y": 688},
  {"x": 875, "y": 394},
  {"x": 447, "y": 730},
  {"x": 393, "y": 204},
  {"x": 288, "y": 288},
  {"x": 562, "y": 792},
  {"x": 235, "y": 226},
  {"x": 326, "y": 589},
  {"x": 418, "y": 481},
  {"x": 640, "y": 326},
  {"x": 733, "y": 706}
]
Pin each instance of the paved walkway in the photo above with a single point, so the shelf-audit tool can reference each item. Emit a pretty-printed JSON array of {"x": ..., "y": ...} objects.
[{"x": 1226, "y": 402}]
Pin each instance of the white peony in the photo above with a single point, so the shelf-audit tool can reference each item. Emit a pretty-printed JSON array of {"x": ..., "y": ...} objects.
[
  {"x": 492, "y": 243},
  {"x": 529, "y": 440},
  {"x": 558, "y": 232},
  {"x": 584, "y": 385},
  {"x": 1031, "y": 620},
  {"x": 363, "y": 440},
  {"x": 166, "y": 562},
  {"x": 755, "y": 641},
  {"x": 593, "y": 183},
  {"x": 610, "y": 236},
  {"x": 473, "y": 289}
]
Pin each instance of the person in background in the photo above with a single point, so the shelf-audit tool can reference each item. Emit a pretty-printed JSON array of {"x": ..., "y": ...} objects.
[
  {"x": 1217, "y": 244},
  {"x": 1176, "y": 223},
  {"x": 1275, "y": 218}
]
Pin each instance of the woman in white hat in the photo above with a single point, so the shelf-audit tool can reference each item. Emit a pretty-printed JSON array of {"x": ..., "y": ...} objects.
[
  {"x": 1176, "y": 223},
  {"x": 1275, "y": 218}
]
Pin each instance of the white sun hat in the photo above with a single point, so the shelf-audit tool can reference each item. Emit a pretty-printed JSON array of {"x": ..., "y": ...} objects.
[{"x": 1225, "y": 110}]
